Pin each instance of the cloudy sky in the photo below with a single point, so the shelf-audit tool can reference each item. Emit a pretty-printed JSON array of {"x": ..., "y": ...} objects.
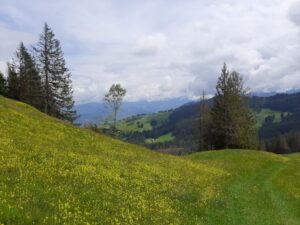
[{"x": 161, "y": 49}]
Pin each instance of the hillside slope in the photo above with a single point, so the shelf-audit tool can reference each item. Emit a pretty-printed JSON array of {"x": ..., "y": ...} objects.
[
  {"x": 275, "y": 116},
  {"x": 55, "y": 173}
]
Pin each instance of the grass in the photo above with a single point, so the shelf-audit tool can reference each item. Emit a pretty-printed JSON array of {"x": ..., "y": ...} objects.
[
  {"x": 54, "y": 173},
  {"x": 263, "y": 113},
  {"x": 142, "y": 122},
  {"x": 263, "y": 188},
  {"x": 132, "y": 124},
  {"x": 164, "y": 138}
]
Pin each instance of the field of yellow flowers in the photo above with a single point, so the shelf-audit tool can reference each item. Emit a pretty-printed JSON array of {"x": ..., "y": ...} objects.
[{"x": 55, "y": 173}]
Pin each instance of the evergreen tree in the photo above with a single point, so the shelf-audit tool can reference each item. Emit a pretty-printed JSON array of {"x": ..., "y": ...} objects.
[
  {"x": 29, "y": 79},
  {"x": 65, "y": 100},
  {"x": 2, "y": 84},
  {"x": 204, "y": 123},
  {"x": 232, "y": 120},
  {"x": 57, "y": 86},
  {"x": 13, "y": 82}
]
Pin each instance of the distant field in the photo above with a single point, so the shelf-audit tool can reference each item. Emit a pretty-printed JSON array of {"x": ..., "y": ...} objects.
[
  {"x": 164, "y": 138},
  {"x": 54, "y": 173},
  {"x": 261, "y": 116},
  {"x": 142, "y": 122}
]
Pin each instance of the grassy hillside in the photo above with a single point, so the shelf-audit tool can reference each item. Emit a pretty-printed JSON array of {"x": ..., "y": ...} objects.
[
  {"x": 143, "y": 122},
  {"x": 264, "y": 113},
  {"x": 173, "y": 126},
  {"x": 164, "y": 138},
  {"x": 54, "y": 173},
  {"x": 275, "y": 115}
]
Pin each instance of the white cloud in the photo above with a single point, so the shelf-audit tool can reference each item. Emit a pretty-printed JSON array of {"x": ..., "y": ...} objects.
[
  {"x": 9, "y": 41},
  {"x": 160, "y": 49},
  {"x": 150, "y": 45}
]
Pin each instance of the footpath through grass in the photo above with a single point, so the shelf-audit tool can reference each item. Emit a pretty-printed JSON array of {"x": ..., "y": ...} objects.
[{"x": 263, "y": 188}]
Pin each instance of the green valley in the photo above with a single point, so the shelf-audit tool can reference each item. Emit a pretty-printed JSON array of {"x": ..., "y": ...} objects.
[
  {"x": 143, "y": 122},
  {"x": 170, "y": 129}
]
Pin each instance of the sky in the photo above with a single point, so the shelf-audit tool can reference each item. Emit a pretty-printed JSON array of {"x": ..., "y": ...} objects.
[{"x": 160, "y": 49}]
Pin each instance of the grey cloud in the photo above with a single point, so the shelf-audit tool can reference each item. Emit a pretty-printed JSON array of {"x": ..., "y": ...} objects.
[
  {"x": 150, "y": 45},
  {"x": 294, "y": 13}
]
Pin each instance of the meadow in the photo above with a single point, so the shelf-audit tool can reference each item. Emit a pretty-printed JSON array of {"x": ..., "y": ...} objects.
[
  {"x": 261, "y": 115},
  {"x": 164, "y": 138},
  {"x": 142, "y": 123},
  {"x": 52, "y": 172}
]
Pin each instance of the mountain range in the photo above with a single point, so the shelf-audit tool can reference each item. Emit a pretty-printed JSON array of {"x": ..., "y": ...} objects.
[{"x": 96, "y": 112}]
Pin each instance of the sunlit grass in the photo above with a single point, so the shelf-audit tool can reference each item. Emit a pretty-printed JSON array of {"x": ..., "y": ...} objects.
[
  {"x": 54, "y": 173},
  {"x": 264, "y": 113},
  {"x": 143, "y": 122},
  {"x": 164, "y": 138}
]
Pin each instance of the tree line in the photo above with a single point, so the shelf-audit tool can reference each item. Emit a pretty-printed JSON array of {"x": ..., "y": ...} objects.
[
  {"x": 283, "y": 143},
  {"x": 281, "y": 137},
  {"x": 39, "y": 77}
]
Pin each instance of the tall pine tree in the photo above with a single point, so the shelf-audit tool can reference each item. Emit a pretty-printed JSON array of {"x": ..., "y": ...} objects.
[
  {"x": 232, "y": 120},
  {"x": 29, "y": 79},
  {"x": 204, "y": 124},
  {"x": 2, "y": 84},
  {"x": 13, "y": 82},
  {"x": 57, "y": 86}
]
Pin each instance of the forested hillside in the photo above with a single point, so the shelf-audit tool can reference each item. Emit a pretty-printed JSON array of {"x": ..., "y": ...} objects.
[{"x": 277, "y": 120}]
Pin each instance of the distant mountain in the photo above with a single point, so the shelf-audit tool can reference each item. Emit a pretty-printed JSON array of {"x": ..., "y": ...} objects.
[
  {"x": 90, "y": 112},
  {"x": 279, "y": 102},
  {"x": 272, "y": 93},
  {"x": 263, "y": 94},
  {"x": 287, "y": 102}
]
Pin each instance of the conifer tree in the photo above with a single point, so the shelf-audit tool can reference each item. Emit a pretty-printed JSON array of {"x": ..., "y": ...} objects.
[
  {"x": 232, "y": 120},
  {"x": 57, "y": 86},
  {"x": 13, "y": 82},
  {"x": 29, "y": 79},
  {"x": 2, "y": 84},
  {"x": 204, "y": 123}
]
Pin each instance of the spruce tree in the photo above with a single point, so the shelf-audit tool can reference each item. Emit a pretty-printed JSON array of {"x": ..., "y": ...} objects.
[
  {"x": 204, "y": 124},
  {"x": 57, "y": 86},
  {"x": 13, "y": 82},
  {"x": 2, "y": 84},
  {"x": 232, "y": 120},
  {"x": 65, "y": 100},
  {"x": 29, "y": 79}
]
